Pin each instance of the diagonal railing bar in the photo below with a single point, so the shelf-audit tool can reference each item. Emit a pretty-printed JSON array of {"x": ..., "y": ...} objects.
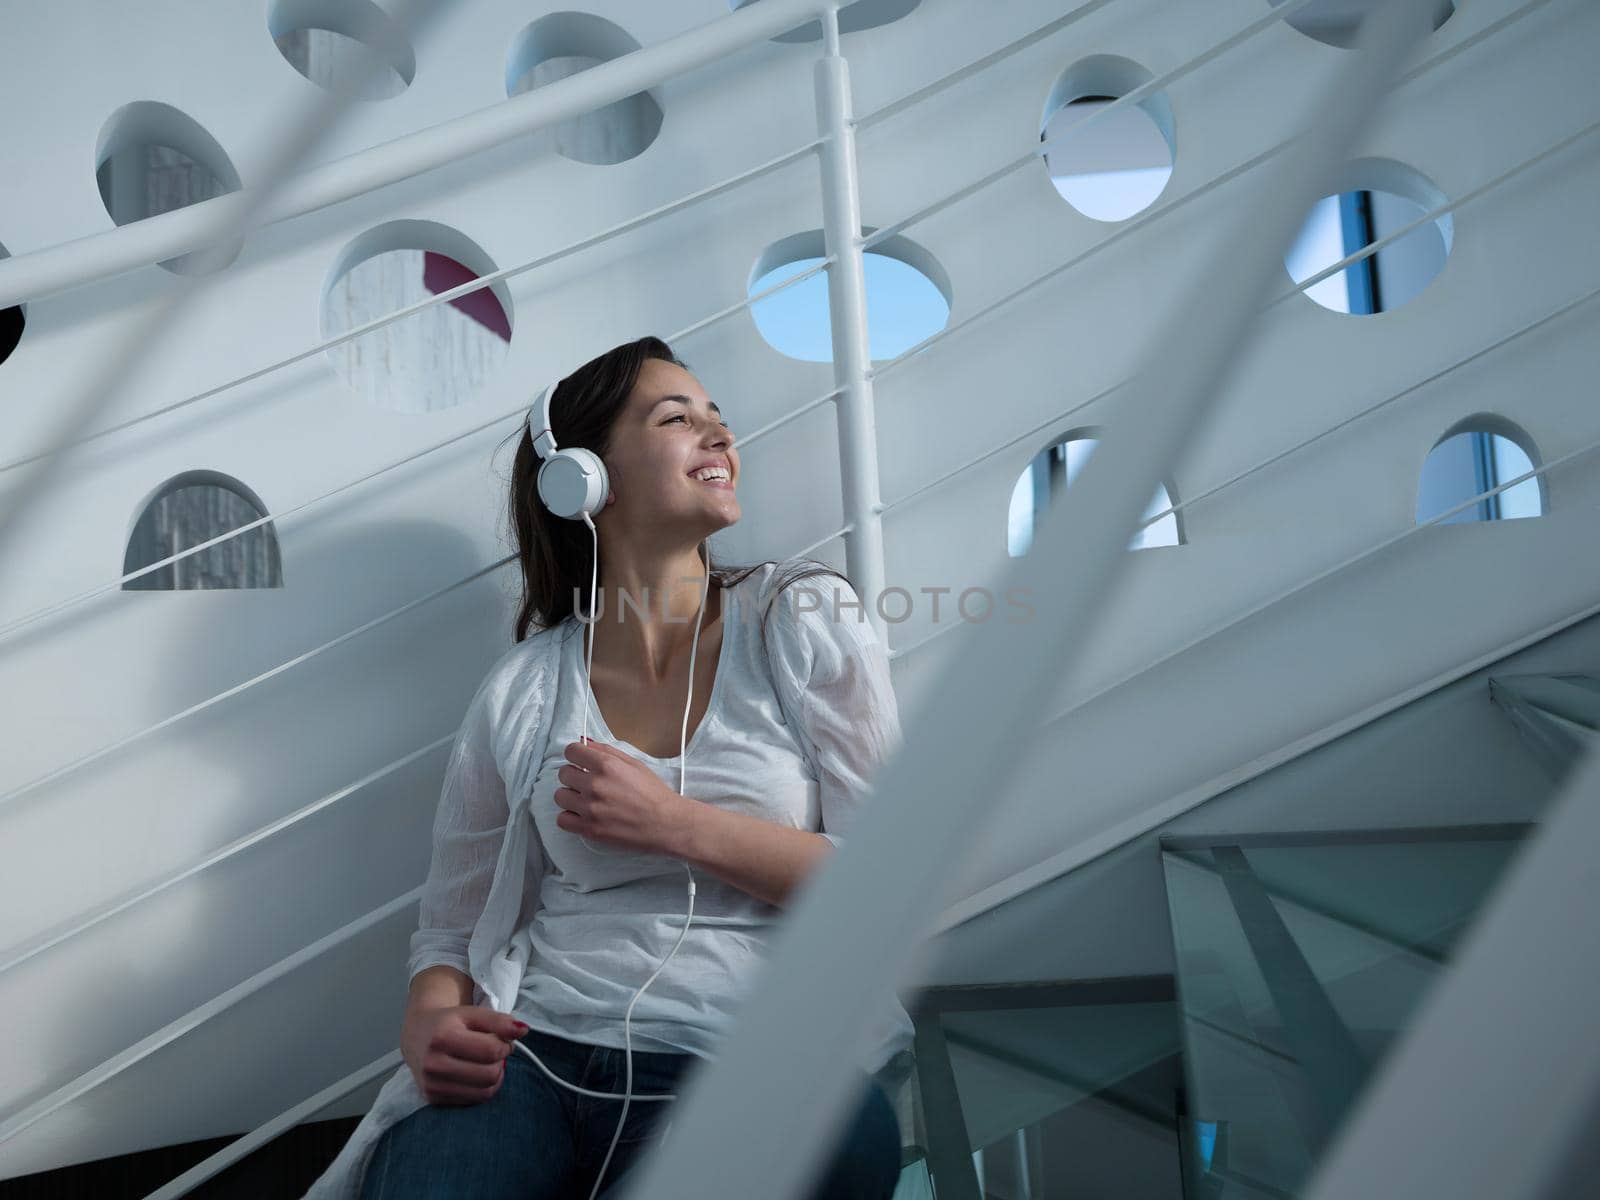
[
  {"x": 101, "y": 255},
  {"x": 183, "y": 714},
  {"x": 1337, "y": 568},
  {"x": 226, "y": 219},
  {"x": 473, "y": 285},
  {"x": 1278, "y": 598},
  {"x": 240, "y": 530},
  {"x": 1482, "y": 352},
  {"x": 854, "y": 931},
  {"x": 246, "y": 1144},
  {"x": 1367, "y": 251},
  {"x": 927, "y": 90},
  {"x": 169, "y": 1033},
  {"x": 1161, "y": 211},
  {"x": 100, "y": 915},
  {"x": 1139, "y": 94},
  {"x": 1199, "y": 497}
]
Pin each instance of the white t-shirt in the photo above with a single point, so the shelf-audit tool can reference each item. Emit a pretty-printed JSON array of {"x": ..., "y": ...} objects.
[{"x": 608, "y": 916}]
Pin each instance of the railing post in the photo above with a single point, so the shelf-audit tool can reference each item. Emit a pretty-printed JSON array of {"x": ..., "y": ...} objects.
[{"x": 847, "y": 307}]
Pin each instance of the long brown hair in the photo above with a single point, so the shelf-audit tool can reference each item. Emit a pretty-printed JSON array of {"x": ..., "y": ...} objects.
[{"x": 556, "y": 555}]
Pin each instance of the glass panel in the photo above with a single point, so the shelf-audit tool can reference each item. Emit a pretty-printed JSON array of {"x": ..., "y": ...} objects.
[{"x": 1296, "y": 960}]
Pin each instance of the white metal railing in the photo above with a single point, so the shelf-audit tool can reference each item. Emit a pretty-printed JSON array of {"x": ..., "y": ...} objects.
[
  {"x": 401, "y": 610},
  {"x": 473, "y": 285},
  {"x": 484, "y": 281},
  {"x": 1127, "y": 100},
  {"x": 167, "y": 235},
  {"x": 94, "y": 756},
  {"x": 60, "y": 1097},
  {"x": 98, "y": 916},
  {"x": 1160, "y": 211},
  {"x": 1311, "y": 281}
]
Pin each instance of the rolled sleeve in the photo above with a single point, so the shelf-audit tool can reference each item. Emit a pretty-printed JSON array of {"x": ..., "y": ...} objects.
[{"x": 834, "y": 670}]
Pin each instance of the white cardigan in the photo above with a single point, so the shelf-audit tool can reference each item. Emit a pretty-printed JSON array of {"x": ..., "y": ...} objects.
[
  {"x": 496, "y": 953},
  {"x": 510, "y": 716}
]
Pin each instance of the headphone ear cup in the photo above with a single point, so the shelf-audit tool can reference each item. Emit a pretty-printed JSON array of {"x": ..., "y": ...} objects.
[{"x": 573, "y": 482}]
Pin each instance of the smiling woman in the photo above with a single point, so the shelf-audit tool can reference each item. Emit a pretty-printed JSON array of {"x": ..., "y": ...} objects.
[{"x": 571, "y": 791}]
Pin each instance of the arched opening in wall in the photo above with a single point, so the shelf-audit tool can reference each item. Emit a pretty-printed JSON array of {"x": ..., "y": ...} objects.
[
  {"x": 1335, "y": 22},
  {"x": 1478, "y": 454},
  {"x": 1117, "y": 164},
  {"x": 1377, "y": 198},
  {"x": 350, "y": 47},
  {"x": 908, "y": 297},
  {"x": 195, "y": 507},
  {"x": 435, "y": 358},
  {"x": 865, "y": 14},
  {"x": 12, "y": 322},
  {"x": 562, "y": 44},
  {"x": 150, "y": 159},
  {"x": 1051, "y": 472}
]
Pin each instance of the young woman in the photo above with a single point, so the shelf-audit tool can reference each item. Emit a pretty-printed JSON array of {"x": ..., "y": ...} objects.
[{"x": 789, "y": 713}]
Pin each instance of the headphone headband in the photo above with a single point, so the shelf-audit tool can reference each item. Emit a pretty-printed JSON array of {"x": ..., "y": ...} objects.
[{"x": 544, "y": 441}]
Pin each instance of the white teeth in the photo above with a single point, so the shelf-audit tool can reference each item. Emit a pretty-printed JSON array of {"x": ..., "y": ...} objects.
[{"x": 709, "y": 473}]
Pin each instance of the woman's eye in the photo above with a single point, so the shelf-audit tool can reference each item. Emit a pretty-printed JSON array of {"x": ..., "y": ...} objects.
[{"x": 680, "y": 417}]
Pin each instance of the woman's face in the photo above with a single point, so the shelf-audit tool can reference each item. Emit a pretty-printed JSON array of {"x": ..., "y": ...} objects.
[{"x": 665, "y": 434}]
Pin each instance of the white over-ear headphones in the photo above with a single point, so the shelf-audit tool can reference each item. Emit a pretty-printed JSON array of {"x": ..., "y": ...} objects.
[{"x": 571, "y": 482}]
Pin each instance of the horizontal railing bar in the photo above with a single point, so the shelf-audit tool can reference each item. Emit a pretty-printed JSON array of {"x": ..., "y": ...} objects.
[
  {"x": 40, "y": 273},
  {"x": 256, "y": 837},
  {"x": 240, "y": 530},
  {"x": 1128, "y": 99},
  {"x": 261, "y": 677},
  {"x": 217, "y": 1005},
  {"x": 463, "y": 289},
  {"x": 1134, "y": 224},
  {"x": 246, "y": 1144},
  {"x": 1433, "y": 214}
]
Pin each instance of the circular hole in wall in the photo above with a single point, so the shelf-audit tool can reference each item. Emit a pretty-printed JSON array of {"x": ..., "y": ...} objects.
[
  {"x": 351, "y": 47},
  {"x": 152, "y": 158},
  {"x": 1378, "y": 198},
  {"x": 192, "y": 508},
  {"x": 1475, "y": 456},
  {"x": 864, "y": 14},
  {"x": 562, "y": 44},
  {"x": 435, "y": 358},
  {"x": 908, "y": 297},
  {"x": 1335, "y": 22},
  {"x": 12, "y": 322},
  {"x": 1108, "y": 161},
  {"x": 1050, "y": 473}
]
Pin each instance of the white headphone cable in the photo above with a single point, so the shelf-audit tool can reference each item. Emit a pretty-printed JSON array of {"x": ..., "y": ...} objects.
[{"x": 627, "y": 1032}]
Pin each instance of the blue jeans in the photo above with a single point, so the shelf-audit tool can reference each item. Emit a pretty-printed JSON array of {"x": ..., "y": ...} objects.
[{"x": 536, "y": 1140}]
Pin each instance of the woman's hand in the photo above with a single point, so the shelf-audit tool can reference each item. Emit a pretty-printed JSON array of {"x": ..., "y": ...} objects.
[
  {"x": 457, "y": 1054},
  {"x": 610, "y": 796}
]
